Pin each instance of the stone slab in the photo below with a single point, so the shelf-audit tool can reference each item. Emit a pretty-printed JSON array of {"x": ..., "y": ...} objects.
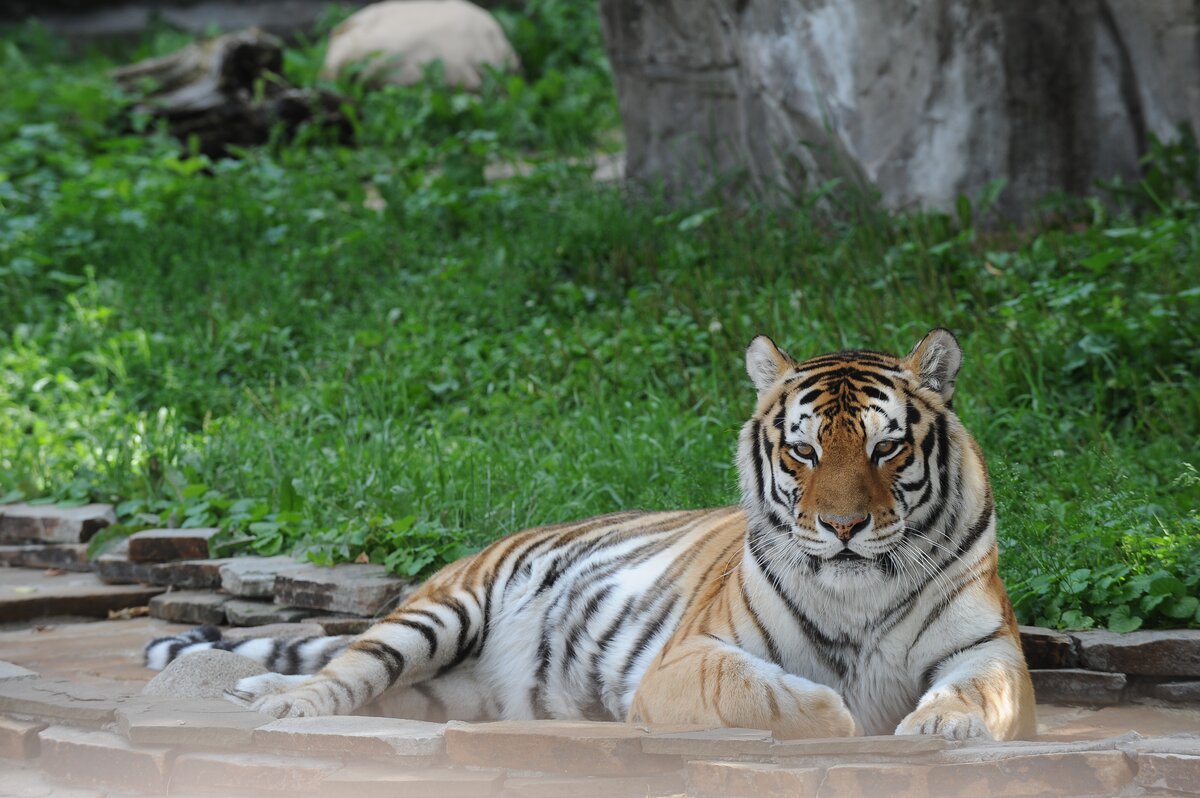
[
  {"x": 709, "y": 743},
  {"x": 1177, "y": 692},
  {"x": 48, "y": 523},
  {"x": 661, "y": 784},
  {"x": 573, "y": 747},
  {"x": 364, "y": 590},
  {"x": 99, "y": 651},
  {"x": 1047, "y": 648},
  {"x": 912, "y": 745},
  {"x": 342, "y": 624},
  {"x": 1078, "y": 686},
  {"x": 279, "y": 631},
  {"x": 1145, "y": 653},
  {"x": 375, "y": 780},
  {"x": 11, "y": 671},
  {"x": 28, "y": 595},
  {"x": 1177, "y": 772},
  {"x": 352, "y": 735},
  {"x": 752, "y": 780},
  {"x": 225, "y": 772},
  {"x": 188, "y": 574},
  {"x": 104, "y": 758},
  {"x": 114, "y": 567},
  {"x": 196, "y": 722},
  {"x": 254, "y": 577},
  {"x": 189, "y": 606},
  {"x": 165, "y": 545},
  {"x": 243, "y": 612},
  {"x": 207, "y": 673},
  {"x": 19, "y": 738},
  {"x": 891, "y": 780},
  {"x": 60, "y": 699},
  {"x": 66, "y": 556},
  {"x": 1066, "y": 774}
]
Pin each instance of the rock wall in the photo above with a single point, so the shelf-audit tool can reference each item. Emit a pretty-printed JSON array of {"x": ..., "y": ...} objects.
[{"x": 923, "y": 100}]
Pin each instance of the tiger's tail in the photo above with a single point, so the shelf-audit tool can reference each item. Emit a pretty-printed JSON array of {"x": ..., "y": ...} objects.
[{"x": 290, "y": 656}]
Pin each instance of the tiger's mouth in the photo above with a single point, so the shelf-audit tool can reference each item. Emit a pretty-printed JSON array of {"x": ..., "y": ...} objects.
[{"x": 848, "y": 555}]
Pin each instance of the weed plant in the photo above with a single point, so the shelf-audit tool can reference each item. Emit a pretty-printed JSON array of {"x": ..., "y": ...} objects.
[{"x": 373, "y": 353}]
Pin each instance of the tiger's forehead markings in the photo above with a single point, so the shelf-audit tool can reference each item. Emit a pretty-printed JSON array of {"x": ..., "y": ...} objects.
[{"x": 839, "y": 389}]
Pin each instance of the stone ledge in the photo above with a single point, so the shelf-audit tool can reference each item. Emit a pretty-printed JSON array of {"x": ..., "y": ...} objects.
[
  {"x": 48, "y": 523},
  {"x": 167, "y": 545},
  {"x": 238, "y": 773},
  {"x": 105, "y": 759},
  {"x": 197, "y": 722},
  {"x": 59, "y": 699},
  {"x": 1079, "y": 687},
  {"x": 19, "y": 738},
  {"x": 374, "y": 780},
  {"x": 1144, "y": 653},
  {"x": 572, "y": 747},
  {"x": 353, "y": 735},
  {"x": 1177, "y": 772}
]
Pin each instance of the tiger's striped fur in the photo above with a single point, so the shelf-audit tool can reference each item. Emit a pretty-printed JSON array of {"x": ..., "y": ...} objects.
[{"x": 854, "y": 590}]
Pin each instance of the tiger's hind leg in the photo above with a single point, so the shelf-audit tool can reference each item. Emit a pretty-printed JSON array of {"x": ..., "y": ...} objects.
[
  {"x": 406, "y": 648},
  {"x": 704, "y": 680}
]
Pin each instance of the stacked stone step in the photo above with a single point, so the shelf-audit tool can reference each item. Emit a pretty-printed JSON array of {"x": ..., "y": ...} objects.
[
  {"x": 1100, "y": 668},
  {"x": 49, "y": 536}
]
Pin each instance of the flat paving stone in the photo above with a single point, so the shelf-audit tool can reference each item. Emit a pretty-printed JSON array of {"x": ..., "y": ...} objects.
[
  {"x": 254, "y": 577},
  {"x": 1048, "y": 648},
  {"x": 574, "y": 747},
  {"x": 196, "y": 722},
  {"x": 284, "y": 631},
  {"x": 353, "y": 735},
  {"x": 11, "y": 671},
  {"x": 708, "y": 742},
  {"x": 1057, "y": 722},
  {"x": 356, "y": 589},
  {"x": 99, "y": 651},
  {"x": 67, "y": 556},
  {"x": 660, "y": 784},
  {"x": 48, "y": 523},
  {"x": 753, "y": 780},
  {"x": 190, "y": 606},
  {"x": 1078, "y": 686},
  {"x": 876, "y": 746},
  {"x": 19, "y": 738},
  {"x": 1177, "y": 772},
  {"x": 244, "y": 612},
  {"x": 374, "y": 780},
  {"x": 223, "y": 773},
  {"x": 103, "y": 758},
  {"x": 166, "y": 545},
  {"x": 188, "y": 574},
  {"x": 27, "y": 594},
  {"x": 1069, "y": 774},
  {"x": 1145, "y": 653},
  {"x": 59, "y": 699}
]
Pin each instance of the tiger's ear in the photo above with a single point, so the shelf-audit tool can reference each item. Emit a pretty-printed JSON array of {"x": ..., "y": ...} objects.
[
  {"x": 935, "y": 361},
  {"x": 766, "y": 363}
]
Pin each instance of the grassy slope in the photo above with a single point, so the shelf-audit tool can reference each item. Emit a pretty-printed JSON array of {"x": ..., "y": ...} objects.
[{"x": 250, "y": 345}]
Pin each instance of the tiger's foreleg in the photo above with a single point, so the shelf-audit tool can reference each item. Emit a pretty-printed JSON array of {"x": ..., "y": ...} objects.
[
  {"x": 408, "y": 647},
  {"x": 703, "y": 680},
  {"x": 982, "y": 692}
]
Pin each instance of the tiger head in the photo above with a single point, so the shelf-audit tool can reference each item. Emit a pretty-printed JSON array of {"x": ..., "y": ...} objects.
[{"x": 855, "y": 462}]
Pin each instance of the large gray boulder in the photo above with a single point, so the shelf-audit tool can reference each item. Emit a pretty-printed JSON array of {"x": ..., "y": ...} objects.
[{"x": 923, "y": 101}]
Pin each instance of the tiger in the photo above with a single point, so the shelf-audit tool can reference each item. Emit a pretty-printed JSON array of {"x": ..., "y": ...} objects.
[{"x": 854, "y": 590}]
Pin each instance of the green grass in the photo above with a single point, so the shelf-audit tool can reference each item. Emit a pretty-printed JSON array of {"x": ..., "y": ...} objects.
[{"x": 245, "y": 344}]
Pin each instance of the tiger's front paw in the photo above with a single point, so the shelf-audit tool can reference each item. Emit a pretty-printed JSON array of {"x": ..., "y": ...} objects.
[
  {"x": 816, "y": 711},
  {"x": 953, "y": 724}
]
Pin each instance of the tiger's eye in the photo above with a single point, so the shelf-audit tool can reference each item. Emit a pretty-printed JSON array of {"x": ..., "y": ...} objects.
[
  {"x": 884, "y": 448},
  {"x": 804, "y": 451}
]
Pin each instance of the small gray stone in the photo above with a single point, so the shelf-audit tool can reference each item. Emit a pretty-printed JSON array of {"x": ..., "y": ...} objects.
[
  {"x": 11, "y": 671},
  {"x": 1078, "y": 686},
  {"x": 353, "y": 734},
  {"x": 202, "y": 674},
  {"x": 356, "y": 589},
  {"x": 46, "y": 523},
  {"x": 204, "y": 722},
  {"x": 276, "y": 631},
  {"x": 67, "y": 556},
  {"x": 167, "y": 545},
  {"x": 1177, "y": 692},
  {"x": 115, "y": 568},
  {"x": 254, "y": 577},
  {"x": 1046, "y": 648},
  {"x": 262, "y": 613},
  {"x": 88, "y": 703},
  {"x": 188, "y": 574},
  {"x": 188, "y": 606},
  {"x": 1147, "y": 653}
]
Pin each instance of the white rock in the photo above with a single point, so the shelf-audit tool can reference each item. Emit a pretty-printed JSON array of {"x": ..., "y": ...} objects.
[
  {"x": 202, "y": 674},
  {"x": 397, "y": 39}
]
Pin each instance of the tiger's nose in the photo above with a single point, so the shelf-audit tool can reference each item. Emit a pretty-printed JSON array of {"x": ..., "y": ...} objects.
[{"x": 844, "y": 526}]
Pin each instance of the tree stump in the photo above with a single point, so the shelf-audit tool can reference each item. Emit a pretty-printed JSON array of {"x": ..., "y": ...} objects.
[{"x": 228, "y": 91}]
